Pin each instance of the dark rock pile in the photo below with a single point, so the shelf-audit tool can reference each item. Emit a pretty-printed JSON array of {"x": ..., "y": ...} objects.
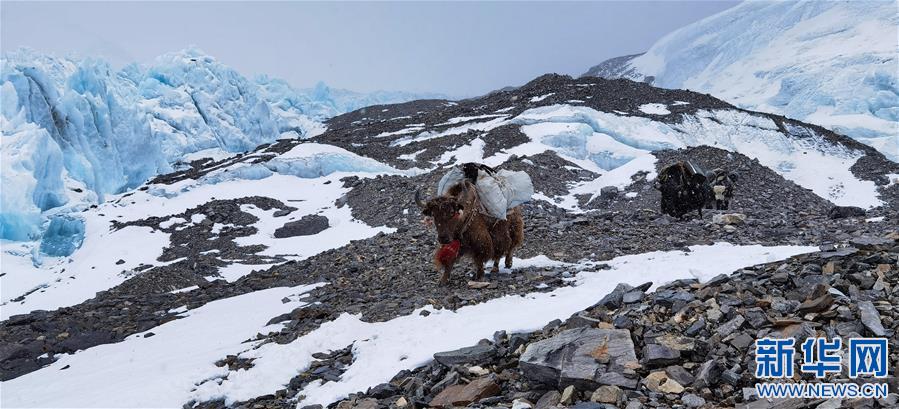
[{"x": 687, "y": 344}]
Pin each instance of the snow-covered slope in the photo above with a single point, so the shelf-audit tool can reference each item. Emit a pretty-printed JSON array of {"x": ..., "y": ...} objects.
[
  {"x": 75, "y": 131},
  {"x": 831, "y": 63},
  {"x": 208, "y": 283}
]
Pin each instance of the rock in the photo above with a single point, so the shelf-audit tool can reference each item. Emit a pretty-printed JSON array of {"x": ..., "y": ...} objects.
[
  {"x": 834, "y": 403},
  {"x": 729, "y": 218},
  {"x": 478, "y": 371},
  {"x": 660, "y": 382},
  {"x": 679, "y": 374},
  {"x": 607, "y": 394},
  {"x": 871, "y": 318},
  {"x": 469, "y": 355},
  {"x": 613, "y": 299},
  {"x": 816, "y": 305},
  {"x": 478, "y": 284},
  {"x": 461, "y": 395},
  {"x": 742, "y": 341},
  {"x": 384, "y": 390},
  {"x": 367, "y": 403},
  {"x": 306, "y": 226},
  {"x": 618, "y": 379},
  {"x": 549, "y": 400},
  {"x": 670, "y": 297},
  {"x": 588, "y": 405},
  {"x": 401, "y": 402},
  {"x": 521, "y": 404},
  {"x": 632, "y": 297},
  {"x": 608, "y": 192},
  {"x": 708, "y": 375},
  {"x": 692, "y": 401},
  {"x": 656, "y": 355},
  {"x": 576, "y": 356},
  {"x": 731, "y": 326},
  {"x": 800, "y": 331},
  {"x": 634, "y": 404},
  {"x": 840, "y": 212},
  {"x": 567, "y": 395}
]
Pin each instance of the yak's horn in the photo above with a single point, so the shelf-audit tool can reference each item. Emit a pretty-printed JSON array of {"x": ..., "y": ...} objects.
[{"x": 418, "y": 201}]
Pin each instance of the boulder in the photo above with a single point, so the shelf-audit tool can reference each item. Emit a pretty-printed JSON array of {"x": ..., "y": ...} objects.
[
  {"x": 461, "y": 395},
  {"x": 306, "y": 226},
  {"x": 578, "y": 357},
  {"x": 871, "y": 318},
  {"x": 607, "y": 394},
  {"x": 841, "y": 212},
  {"x": 660, "y": 382},
  {"x": 469, "y": 355}
]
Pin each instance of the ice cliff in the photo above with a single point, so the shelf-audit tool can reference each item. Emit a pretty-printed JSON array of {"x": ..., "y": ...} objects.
[{"x": 75, "y": 130}]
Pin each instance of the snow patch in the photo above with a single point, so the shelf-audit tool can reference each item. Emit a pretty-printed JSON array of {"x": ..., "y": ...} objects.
[{"x": 409, "y": 341}]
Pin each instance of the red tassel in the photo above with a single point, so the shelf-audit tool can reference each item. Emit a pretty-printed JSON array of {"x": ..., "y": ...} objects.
[{"x": 448, "y": 252}]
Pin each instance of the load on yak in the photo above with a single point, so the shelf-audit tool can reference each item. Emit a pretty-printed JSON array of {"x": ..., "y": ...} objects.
[
  {"x": 476, "y": 213},
  {"x": 685, "y": 188}
]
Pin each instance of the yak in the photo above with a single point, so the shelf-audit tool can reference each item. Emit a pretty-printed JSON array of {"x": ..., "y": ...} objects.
[
  {"x": 464, "y": 230},
  {"x": 684, "y": 189},
  {"x": 721, "y": 183}
]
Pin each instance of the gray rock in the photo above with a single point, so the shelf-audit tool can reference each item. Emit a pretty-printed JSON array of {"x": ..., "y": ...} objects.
[
  {"x": 692, "y": 401},
  {"x": 871, "y": 318},
  {"x": 729, "y": 327},
  {"x": 657, "y": 355},
  {"x": 306, "y": 226},
  {"x": 613, "y": 299},
  {"x": 471, "y": 355},
  {"x": 608, "y": 192},
  {"x": 632, "y": 297},
  {"x": 679, "y": 374},
  {"x": 708, "y": 375},
  {"x": 669, "y": 297},
  {"x": 618, "y": 379},
  {"x": 549, "y": 400},
  {"x": 577, "y": 357}
]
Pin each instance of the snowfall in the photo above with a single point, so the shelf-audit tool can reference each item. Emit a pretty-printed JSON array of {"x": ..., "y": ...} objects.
[{"x": 829, "y": 63}]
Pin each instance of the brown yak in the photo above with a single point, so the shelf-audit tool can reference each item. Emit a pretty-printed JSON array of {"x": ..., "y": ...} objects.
[{"x": 462, "y": 230}]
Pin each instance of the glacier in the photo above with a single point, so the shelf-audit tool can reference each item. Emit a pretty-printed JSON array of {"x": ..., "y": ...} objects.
[
  {"x": 834, "y": 64},
  {"x": 76, "y": 130}
]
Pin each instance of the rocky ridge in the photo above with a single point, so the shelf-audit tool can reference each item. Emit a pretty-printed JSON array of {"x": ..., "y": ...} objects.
[{"x": 685, "y": 345}]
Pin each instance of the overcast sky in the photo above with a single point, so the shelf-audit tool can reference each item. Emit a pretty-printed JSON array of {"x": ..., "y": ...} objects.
[{"x": 460, "y": 49}]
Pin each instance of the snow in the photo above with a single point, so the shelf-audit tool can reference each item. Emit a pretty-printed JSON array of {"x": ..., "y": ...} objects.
[
  {"x": 157, "y": 371},
  {"x": 234, "y": 271},
  {"x": 411, "y": 156},
  {"x": 123, "y": 127},
  {"x": 71, "y": 280},
  {"x": 654, "y": 109},
  {"x": 472, "y": 152},
  {"x": 461, "y": 129},
  {"x": 185, "y": 289},
  {"x": 829, "y": 63},
  {"x": 342, "y": 228},
  {"x": 604, "y": 142},
  {"x": 410, "y": 341},
  {"x": 541, "y": 97}
]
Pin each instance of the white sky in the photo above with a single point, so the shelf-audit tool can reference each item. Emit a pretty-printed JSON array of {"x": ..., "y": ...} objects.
[{"x": 460, "y": 49}]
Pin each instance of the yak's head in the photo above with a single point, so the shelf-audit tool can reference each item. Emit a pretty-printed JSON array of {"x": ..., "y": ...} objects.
[{"x": 447, "y": 213}]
